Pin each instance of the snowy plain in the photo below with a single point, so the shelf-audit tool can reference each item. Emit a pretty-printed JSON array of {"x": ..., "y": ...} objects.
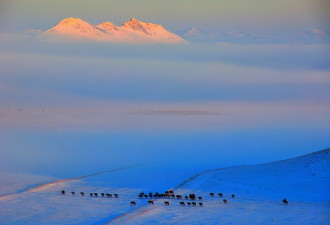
[{"x": 258, "y": 190}]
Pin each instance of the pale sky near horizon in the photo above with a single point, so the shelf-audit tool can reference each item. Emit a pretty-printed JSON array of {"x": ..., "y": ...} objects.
[{"x": 272, "y": 16}]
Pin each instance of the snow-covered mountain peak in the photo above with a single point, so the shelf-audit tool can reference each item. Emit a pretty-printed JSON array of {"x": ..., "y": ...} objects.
[
  {"x": 107, "y": 26},
  {"x": 72, "y": 22},
  {"x": 135, "y": 25},
  {"x": 193, "y": 32},
  {"x": 74, "y": 26},
  {"x": 132, "y": 31}
]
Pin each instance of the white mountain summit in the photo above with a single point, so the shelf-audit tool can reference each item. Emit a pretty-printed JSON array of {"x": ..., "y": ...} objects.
[{"x": 132, "y": 31}]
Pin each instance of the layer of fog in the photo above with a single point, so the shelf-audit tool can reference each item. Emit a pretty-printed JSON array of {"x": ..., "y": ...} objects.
[{"x": 91, "y": 106}]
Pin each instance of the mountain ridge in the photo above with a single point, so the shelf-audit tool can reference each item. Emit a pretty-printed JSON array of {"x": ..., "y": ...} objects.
[{"x": 132, "y": 31}]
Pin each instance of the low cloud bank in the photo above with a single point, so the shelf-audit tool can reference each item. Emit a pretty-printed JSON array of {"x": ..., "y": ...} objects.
[{"x": 276, "y": 56}]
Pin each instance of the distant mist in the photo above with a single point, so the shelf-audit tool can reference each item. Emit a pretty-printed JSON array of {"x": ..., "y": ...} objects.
[
  {"x": 197, "y": 106},
  {"x": 278, "y": 56}
]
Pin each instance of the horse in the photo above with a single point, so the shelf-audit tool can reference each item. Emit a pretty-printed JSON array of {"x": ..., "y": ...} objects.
[
  {"x": 63, "y": 192},
  {"x": 82, "y": 193},
  {"x": 102, "y": 194},
  {"x": 182, "y": 204},
  {"x": 150, "y": 194},
  {"x": 200, "y": 204},
  {"x": 91, "y": 194},
  {"x": 285, "y": 202},
  {"x": 73, "y": 193},
  {"x": 193, "y": 203},
  {"x": 151, "y": 202},
  {"x": 225, "y": 201},
  {"x": 133, "y": 203},
  {"x": 186, "y": 197},
  {"x": 95, "y": 194},
  {"x": 233, "y": 196},
  {"x": 109, "y": 195},
  {"x": 172, "y": 196},
  {"x": 116, "y": 196},
  {"x": 200, "y": 198},
  {"x": 145, "y": 196},
  {"x": 167, "y": 203},
  {"x": 192, "y": 196},
  {"x": 178, "y": 196},
  {"x": 220, "y": 195},
  {"x": 140, "y": 196},
  {"x": 212, "y": 194},
  {"x": 188, "y": 203}
]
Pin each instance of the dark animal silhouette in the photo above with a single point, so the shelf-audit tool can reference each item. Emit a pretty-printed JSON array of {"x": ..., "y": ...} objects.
[
  {"x": 150, "y": 194},
  {"x": 182, "y": 204},
  {"x": 188, "y": 203},
  {"x": 193, "y": 203},
  {"x": 172, "y": 196},
  {"x": 186, "y": 197},
  {"x": 225, "y": 201},
  {"x": 102, "y": 194},
  {"x": 151, "y": 202},
  {"x": 192, "y": 197},
  {"x": 171, "y": 192},
  {"x": 233, "y": 196},
  {"x": 142, "y": 193},
  {"x": 116, "y": 195},
  {"x": 82, "y": 193},
  {"x": 285, "y": 202},
  {"x": 145, "y": 196},
  {"x": 95, "y": 194},
  {"x": 109, "y": 195},
  {"x": 200, "y": 198},
  {"x": 91, "y": 194},
  {"x": 133, "y": 203},
  {"x": 178, "y": 196},
  {"x": 220, "y": 195},
  {"x": 212, "y": 194},
  {"x": 140, "y": 196},
  {"x": 63, "y": 192},
  {"x": 73, "y": 193},
  {"x": 167, "y": 203},
  {"x": 200, "y": 204}
]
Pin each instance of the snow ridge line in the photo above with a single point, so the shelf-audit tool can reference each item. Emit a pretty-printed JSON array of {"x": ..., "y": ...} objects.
[
  {"x": 68, "y": 179},
  {"x": 201, "y": 173},
  {"x": 324, "y": 151}
]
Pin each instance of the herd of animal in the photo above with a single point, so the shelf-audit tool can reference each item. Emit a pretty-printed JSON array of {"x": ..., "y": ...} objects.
[
  {"x": 167, "y": 195},
  {"x": 170, "y": 195},
  {"x": 93, "y": 194}
]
